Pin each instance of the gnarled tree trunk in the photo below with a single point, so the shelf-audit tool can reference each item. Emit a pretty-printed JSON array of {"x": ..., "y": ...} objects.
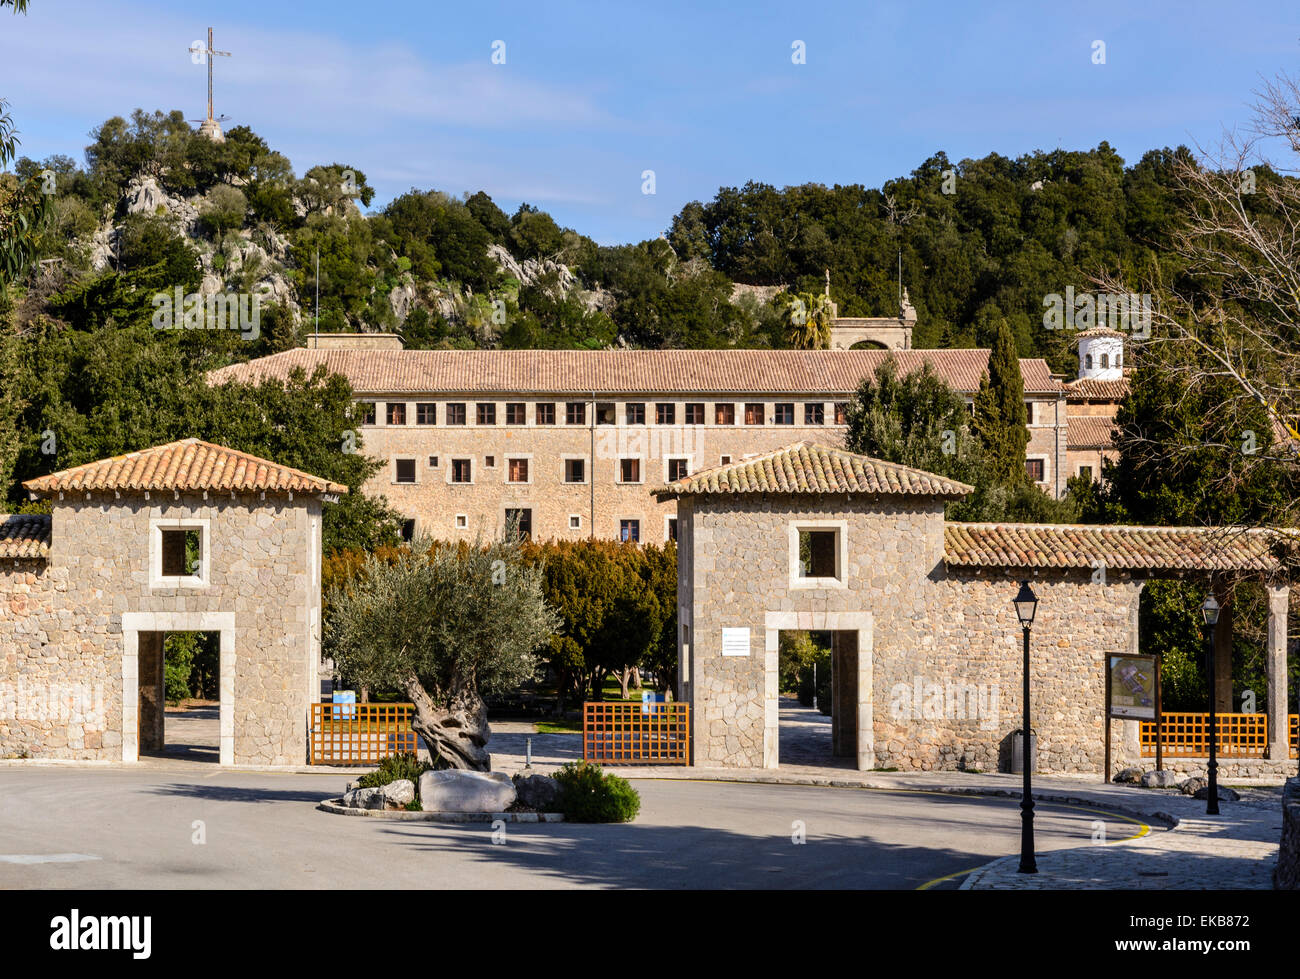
[{"x": 457, "y": 734}]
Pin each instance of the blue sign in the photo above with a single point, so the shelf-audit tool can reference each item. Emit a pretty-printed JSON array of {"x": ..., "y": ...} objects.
[
  {"x": 648, "y": 700},
  {"x": 345, "y": 704}
]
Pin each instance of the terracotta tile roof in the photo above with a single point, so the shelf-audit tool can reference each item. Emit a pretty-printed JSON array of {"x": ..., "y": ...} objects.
[
  {"x": 806, "y": 467},
  {"x": 613, "y": 372},
  {"x": 1099, "y": 331},
  {"x": 25, "y": 535},
  {"x": 1090, "y": 432},
  {"x": 1160, "y": 549},
  {"x": 1089, "y": 388},
  {"x": 185, "y": 466}
]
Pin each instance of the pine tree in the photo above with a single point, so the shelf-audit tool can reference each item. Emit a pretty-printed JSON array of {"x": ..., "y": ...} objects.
[{"x": 1001, "y": 421}]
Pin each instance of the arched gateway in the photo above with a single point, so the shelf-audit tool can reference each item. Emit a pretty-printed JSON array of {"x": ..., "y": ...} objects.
[{"x": 926, "y": 645}]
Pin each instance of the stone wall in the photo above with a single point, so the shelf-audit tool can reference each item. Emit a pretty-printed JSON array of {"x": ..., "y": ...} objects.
[
  {"x": 1287, "y": 874},
  {"x": 263, "y": 574},
  {"x": 944, "y": 645}
]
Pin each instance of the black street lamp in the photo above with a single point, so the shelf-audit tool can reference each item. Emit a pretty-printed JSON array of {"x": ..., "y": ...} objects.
[
  {"x": 1026, "y": 603},
  {"x": 1211, "y": 612}
]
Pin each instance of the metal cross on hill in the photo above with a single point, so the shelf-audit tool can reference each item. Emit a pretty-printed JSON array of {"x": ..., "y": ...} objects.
[{"x": 211, "y": 53}]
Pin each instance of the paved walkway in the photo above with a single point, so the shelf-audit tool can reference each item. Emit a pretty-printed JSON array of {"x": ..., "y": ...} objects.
[{"x": 1235, "y": 850}]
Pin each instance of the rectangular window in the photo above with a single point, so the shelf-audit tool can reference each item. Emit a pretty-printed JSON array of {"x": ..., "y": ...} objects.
[
  {"x": 1029, "y": 413},
  {"x": 575, "y": 521},
  {"x": 629, "y": 530},
  {"x": 520, "y": 521},
  {"x": 408, "y": 530},
  {"x": 818, "y": 554},
  {"x": 814, "y": 413},
  {"x": 575, "y": 413},
  {"x": 665, "y": 413},
  {"x": 754, "y": 413},
  {"x": 724, "y": 460},
  {"x": 182, "y": 553},
  {"x": 575, "y": 470},
  {"x": 629, "y": 470},
  {"x": 841, "y": 412},
  {"x": 516, "y": 413},
  {"x": 1035, "y": 468},
  {"x": 1085, "y": 472},
  {"x": 456, "y": 413},
  {"x": 783, "y": 414},
  {"x": 462, "y": 521},
  {"x": 433, "y": 462},
  {"x": 462, "y": 470},
  {"x": 487, "y": 413},
  {"x": 724, "y": 414},
  {"x": 677, "y": 469},
  {"x": 367, "y": 412},
  {"x": 605, "y": 414},
  {"x": 490, "y": 462},
  {"x": 635, "y": 413},
  {"x": 544, "y": 413},
  {"x": 396, "y": 413},
  {"x": 672, "y": 528},
  {"x": 517, "y": 470},
  {"x": 404, "y": 470},
  {"x": 695, "y": 413},
  {"x": 426, "y": 413}
]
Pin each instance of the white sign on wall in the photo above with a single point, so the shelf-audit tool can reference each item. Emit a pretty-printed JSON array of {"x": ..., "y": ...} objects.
[{"x": 735, "y": 642}]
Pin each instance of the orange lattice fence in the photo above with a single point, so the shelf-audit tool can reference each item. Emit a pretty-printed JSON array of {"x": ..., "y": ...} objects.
[
  {"x": 359, "y": 734},
  {"x": 1187, "y": 735},
  {"x": 636, "y": 734}
]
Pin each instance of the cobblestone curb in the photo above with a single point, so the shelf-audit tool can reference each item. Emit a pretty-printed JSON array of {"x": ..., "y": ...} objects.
[{"x": 336, "y": 807}]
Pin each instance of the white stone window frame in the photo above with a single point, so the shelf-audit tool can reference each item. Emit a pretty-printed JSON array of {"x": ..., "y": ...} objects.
[
  {"x": 526, "y": 457},
  {"x": 451, "y": 469},
  {"x": 690, "y": 465},
  {"x": 564, "y": 470},
  {"x": 841, "y": 528},
  {"x": 1047, "y": 469},
  {"x": 640, "y": 469},
  {"x": 725, "y": 460},
  {"x": 197, "y": 582},
  {"x": 462, "y": 521},
  {"x": 578, "y": 518},
  {"x": 415, "y": 465}
]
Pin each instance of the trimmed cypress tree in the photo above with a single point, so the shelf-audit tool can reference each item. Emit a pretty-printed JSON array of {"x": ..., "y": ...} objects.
[{"x": 1000, "y": 421}]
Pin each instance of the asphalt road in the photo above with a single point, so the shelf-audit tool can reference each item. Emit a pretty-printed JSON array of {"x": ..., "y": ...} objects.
[{"x": 140, "y": 828}]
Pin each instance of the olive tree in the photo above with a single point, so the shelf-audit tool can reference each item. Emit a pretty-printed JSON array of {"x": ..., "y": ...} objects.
[{"x": 446, "y": 623}]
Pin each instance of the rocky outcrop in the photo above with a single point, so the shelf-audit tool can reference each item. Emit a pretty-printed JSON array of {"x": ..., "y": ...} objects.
[
  {"x": 455, "y": 790},
  {"x": 540, "y": 792},
  {"x": 144, "y": 196}
]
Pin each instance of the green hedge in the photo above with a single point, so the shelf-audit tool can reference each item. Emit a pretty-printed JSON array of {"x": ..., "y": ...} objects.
[{"x": 588, "y": 794}]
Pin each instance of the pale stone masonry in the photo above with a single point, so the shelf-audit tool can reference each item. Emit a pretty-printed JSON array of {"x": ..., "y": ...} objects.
[
  {"x": 88, "y": 593},
  {"x": 926, "y": 644}
]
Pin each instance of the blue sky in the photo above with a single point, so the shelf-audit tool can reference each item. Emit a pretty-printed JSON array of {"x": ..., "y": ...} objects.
[{"x": 705, "y": 94}]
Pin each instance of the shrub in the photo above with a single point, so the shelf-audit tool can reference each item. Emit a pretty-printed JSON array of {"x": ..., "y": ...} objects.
[
  {"x": 394, "y": 768},
  {"x": 588, "y": 794}
]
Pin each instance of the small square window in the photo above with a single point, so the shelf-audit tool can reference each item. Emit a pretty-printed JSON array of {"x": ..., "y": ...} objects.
[
  {"x": 404, "y": 470},
  {"x": 462, "y": 521},
  {"x": 575, "y": 413},
  {"x": 629, "y": 470},
  {"x": 544, "y": 413},
  {"x": 665, "y": 413},
  {"x": 182, "y": 553},
  {"x": 695, "y": 413},
  {"x": 426, "y": 413},
  {"x": 433, "y": 462},
  {"x": 487, "y": 413},
  {"x": 814, "y": 413},
  {"x": 575, "y": 522},
  {"x": 396, "y": 413},
  {"x": 490, "y": 461},
  {"x": 575, "y": 470},
  {"x": 724, "y": 460},
  {"x": 517, "y": 470},
  {"x": 456, "y": 413},
  {"x": 516, "y": 413},
  {"x": 818, "y": 554}
]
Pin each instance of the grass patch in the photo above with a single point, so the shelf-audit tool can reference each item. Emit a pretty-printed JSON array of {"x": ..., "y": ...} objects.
[{"x": 562, "y": 726}]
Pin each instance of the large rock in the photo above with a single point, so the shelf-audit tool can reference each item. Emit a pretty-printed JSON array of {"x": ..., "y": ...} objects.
[
  {"x": 1225, "y": 794},
  {"x": 1128, "y": 776},
  {"x": 1193, "y": 785},
  {"x": 398, "y": 793},
  {"x": 454, "y": 790},
  {"x": 539, "y": 792},
  {"x": 364, "y": 799},
  {"x": 1162, "y": 779},
  {"x": 144, "y": 196}
]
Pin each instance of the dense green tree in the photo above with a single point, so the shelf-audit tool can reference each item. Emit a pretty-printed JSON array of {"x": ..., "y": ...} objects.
[{"x": 1000, "y": 419}]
